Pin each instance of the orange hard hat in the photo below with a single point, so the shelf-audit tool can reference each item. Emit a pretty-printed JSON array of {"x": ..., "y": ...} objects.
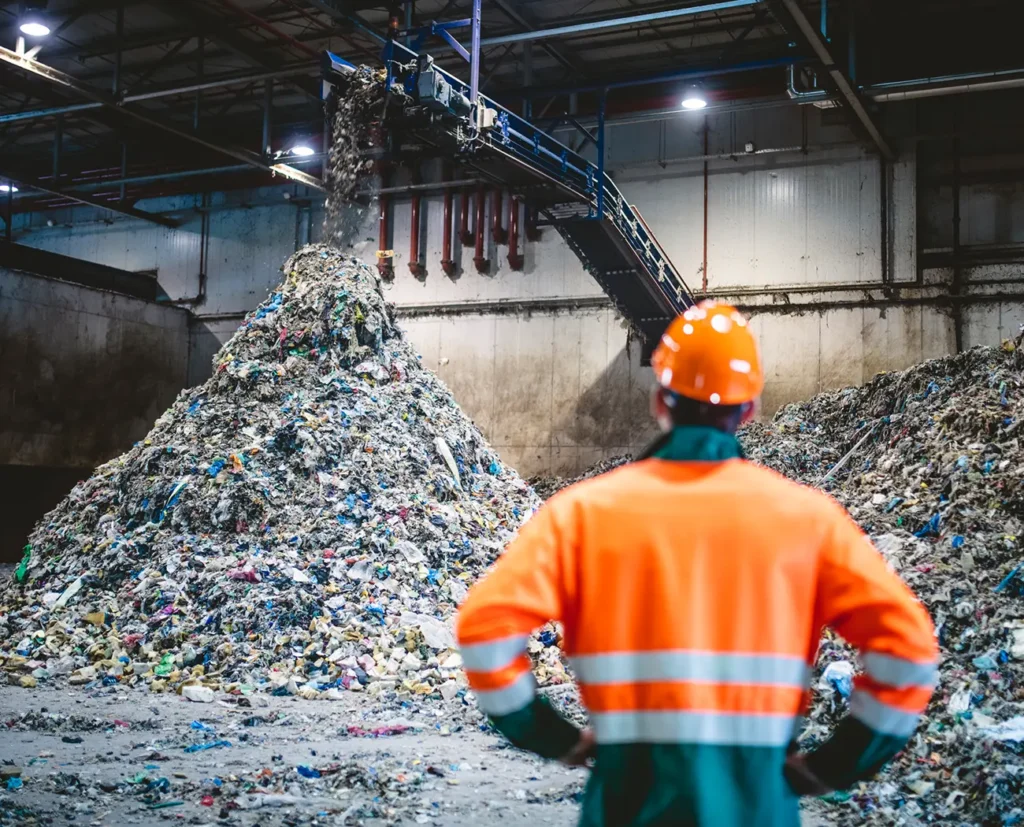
[{"x": 709, "y": 354}]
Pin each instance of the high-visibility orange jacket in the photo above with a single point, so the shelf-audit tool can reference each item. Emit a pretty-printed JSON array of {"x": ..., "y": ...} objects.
[{"x": 693, "y": 595}]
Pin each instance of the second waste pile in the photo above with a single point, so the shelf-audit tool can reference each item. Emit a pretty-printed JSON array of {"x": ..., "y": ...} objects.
[
  {"x": 305, "y": 522},
  {"x": 929, "y": 461}
]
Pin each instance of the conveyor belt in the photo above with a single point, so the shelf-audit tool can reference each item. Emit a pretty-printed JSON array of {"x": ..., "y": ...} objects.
[{"x": 583, "y": 203}]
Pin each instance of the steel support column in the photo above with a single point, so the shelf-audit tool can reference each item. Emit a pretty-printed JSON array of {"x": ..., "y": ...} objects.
[
  {"x": 9, "y": 214},
  {"x": 268, "y": 105},
  {"x": 124, "y": 171},
  {"x": 58, "y": 146},
  {"x": 601, "y": 105},
  {"x": 119, "y": 56},
  {"x": 956, "y": 287},
  {"x": 200, "y": 71},
  {"x": 793, "y": 19},
  {"x": 474, "y": 55},
  {"x": 527, "y": 77}
]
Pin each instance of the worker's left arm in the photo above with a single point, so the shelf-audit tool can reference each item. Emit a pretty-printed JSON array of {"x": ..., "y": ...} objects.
[
  {"x": 866, "y": 602},
  {"x": 524, "y": 590}
]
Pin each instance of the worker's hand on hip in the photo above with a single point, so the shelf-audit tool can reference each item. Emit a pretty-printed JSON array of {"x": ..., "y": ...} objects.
[
  {"x": 584, "y": 751},
  {"x": 801, "y": 779}
]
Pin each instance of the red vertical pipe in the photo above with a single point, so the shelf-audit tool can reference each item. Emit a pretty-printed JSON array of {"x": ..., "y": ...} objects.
[
  {"x": 446, "y": 243},
  {"x": 497, "y": 231},
  {"x": 415, "y": 265},
  {"x": 515, "y": 261},
  {"x": 704, "y": 267},
  {"x": 482, "y": 264},
  {"x": 384, "y": 266},
  {"x": 465, "y": 236}
]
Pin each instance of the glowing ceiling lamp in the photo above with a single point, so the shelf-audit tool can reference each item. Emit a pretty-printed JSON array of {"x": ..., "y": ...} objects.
[{"x": 694, "y": 99}]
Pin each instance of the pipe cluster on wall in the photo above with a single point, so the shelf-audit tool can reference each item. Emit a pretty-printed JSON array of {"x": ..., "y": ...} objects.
[{"x": 513, "y": 236}]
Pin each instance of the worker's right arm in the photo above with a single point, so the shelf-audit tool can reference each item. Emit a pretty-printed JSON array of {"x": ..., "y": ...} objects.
[
  {"x": 861, "y": 598},
  {"x": 526, "y": 588}
]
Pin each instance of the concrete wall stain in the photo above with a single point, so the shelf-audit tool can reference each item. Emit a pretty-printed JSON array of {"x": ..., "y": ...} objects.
[{"x": 74, "y": 407}]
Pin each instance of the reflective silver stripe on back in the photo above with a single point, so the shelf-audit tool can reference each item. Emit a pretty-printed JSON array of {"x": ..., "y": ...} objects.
[
  {"x": 704, "y": 727},
  {"x": 888, "y": 720},
  {"x": 489, "y": 657},
  {"x": 898, "y": 672},
  {"x": 698, "y": 666},
  {"x": 511, "y": 698}
]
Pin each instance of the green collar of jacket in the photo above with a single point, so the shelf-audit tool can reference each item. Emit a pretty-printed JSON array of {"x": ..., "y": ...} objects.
[{"x": 689, "y": 443}]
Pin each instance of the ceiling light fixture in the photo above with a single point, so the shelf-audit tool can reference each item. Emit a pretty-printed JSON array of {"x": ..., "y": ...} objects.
[
  {"x": 8, "y": 188},
  {"x": 32, "y": 21},
  {"x": 303, "y": 151},
  {"x": 33, "y": 27},
  {"x": 694, "y": 99}
]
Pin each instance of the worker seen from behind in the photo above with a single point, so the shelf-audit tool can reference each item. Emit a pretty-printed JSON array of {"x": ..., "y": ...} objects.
[{"x": 693, "y": 587}]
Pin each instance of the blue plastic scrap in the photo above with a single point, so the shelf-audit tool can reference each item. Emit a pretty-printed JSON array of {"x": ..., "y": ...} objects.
[
  {"x": 208, "y": 745},
  {"x": 1008, "y": 579},
  {"x": 931, "y": 527}
]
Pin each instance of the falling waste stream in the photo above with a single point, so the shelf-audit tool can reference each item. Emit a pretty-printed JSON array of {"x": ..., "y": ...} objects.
[{"x": 306, "y": 522}]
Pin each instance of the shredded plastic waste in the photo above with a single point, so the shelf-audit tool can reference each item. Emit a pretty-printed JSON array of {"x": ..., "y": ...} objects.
[
  {"x": 303, "y": 523},
  {"x": 547, "y": 487},
  {"x": 939, "y": 485}
]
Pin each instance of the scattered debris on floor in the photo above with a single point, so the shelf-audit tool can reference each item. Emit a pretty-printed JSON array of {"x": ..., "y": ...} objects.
[
  {"x": 929, "y": 461},
  {"x": 547, "y": 487},
  {"x": 284, "y": 761},
  {"x": 303, "y": 523}
]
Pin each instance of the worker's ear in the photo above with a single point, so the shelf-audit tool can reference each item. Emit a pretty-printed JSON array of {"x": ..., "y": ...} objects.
[
  {"x": 660, "y": 410},
  {"x": 749, "y": 412}
]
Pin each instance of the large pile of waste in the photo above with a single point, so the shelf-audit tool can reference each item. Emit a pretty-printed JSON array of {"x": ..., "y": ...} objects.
[
  {"x": 304, "y": 522},
  {"x": 546, "y": 486},
  {"x": 929, "y": 461}
]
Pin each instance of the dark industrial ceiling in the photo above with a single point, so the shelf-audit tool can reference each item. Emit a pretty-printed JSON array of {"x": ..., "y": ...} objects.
[{"x": 148, "y": 55}]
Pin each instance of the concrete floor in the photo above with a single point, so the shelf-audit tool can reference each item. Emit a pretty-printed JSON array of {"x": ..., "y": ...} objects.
[
  {"x": 92, "y": 758},
  {"x": 474, "y": 778}
]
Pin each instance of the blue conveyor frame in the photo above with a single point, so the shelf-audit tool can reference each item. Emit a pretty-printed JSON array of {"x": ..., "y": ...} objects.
[{"x": 604, "y": 230}]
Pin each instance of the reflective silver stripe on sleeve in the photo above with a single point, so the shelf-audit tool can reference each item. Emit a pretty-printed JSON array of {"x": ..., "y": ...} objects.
[
  {"x": 704, "y": 727},
  {"x": 489, "y": 657},
  {"x": 517, "y": 695},
  {"x": 683, "y": 665},
  {"x": 888, "y": 720},
  {"x": 898, "y": 672}
]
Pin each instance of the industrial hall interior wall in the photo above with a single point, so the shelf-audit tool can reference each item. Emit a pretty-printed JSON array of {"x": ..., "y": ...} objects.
[{"x": 841, "y": 282}]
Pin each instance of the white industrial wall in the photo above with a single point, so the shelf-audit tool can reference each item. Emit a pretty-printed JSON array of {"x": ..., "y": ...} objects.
[{"x": 795, "y": 236}]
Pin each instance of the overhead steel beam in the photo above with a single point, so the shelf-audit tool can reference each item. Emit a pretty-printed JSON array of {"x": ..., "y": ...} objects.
[
  {"x": 245, "y": 156},
  {"x": 215, "y": 29},
  {"x": 597, "y": 84},
  {"x": 158, "y": 93},
  {"x": 345, "y": 12},
  {"x": 91, "y": 201},
  {"x": 793, "y": 19},
  {"x": 618, "y": 22},
  {"x": 509, "y": 11}
]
